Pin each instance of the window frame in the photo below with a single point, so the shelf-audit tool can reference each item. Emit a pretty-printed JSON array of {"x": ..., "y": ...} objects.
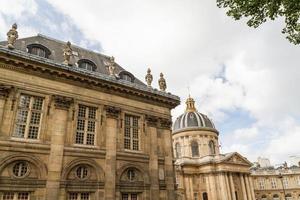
[
  {"x": 42, "y": 116},
  {"x": 15, "y": 195},
  {"x": 87, "y": 62},
  {"x": 86, "y": 122},
  {"x": 47, "y": 52},
  {"x": 194, "y": 150},
  {"x": 131, "y": 132},
  {"x": 78, "y": 195}
]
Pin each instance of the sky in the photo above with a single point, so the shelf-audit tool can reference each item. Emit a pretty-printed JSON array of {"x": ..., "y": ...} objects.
[{"x": 246, "y": 80}]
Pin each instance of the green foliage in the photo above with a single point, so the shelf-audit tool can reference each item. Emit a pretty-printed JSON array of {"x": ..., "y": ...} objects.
[{"x": 259, "y": 11}]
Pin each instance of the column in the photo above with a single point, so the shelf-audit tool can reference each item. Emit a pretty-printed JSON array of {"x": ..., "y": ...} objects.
[
  {"x": 249, "y": 195},
  {"x": 223, "y": 189},
  {"x": 112, "y": 118},
  {"x": 152, "y": 123},
  {"x": 228, "y": 186},
  {"x": 232, "y": 186},
  {"x": 251, "y": 187},
  {"x": 243, "y": 187},
  {"x": 165, "y": 124},
  {"x": 213, "y": 187},
  {"x": 4, "y": 93},
  {"x": 58, "y": 128}
]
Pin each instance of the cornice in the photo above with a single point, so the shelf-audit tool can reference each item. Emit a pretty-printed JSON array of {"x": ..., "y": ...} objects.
[{"x": 31, "y": 64}]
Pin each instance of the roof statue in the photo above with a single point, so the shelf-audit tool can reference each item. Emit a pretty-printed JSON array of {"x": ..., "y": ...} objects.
[
  {"x": 111, "y": 66},
  {"x": 162, "y": 83},
  {"x": 149, "y": 77},
  {"x": 67, "y": 52},
  {"x": 12, "y": 36}
]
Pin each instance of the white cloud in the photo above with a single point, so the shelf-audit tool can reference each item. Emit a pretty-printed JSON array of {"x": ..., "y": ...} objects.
[{"x": 190, "y": 41}]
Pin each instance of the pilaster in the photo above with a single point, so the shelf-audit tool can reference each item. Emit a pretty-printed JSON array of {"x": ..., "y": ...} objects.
[
  {"x": 112, "y": 117},
  {"x": 58, "y": 128},
  {"x": 165, "y": 125},
  {"x": 152, "y": 124},
  {"x": 4, "y": 93}
]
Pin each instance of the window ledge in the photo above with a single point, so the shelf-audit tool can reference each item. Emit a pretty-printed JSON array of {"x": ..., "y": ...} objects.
[
  {"x": 85, "y": 146},
  {"x": 37, "y": 141}
]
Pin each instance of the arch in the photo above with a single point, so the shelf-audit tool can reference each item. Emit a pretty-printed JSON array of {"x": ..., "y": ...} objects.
[
  {"x": 74, "y": 163},
  {"x": 125, "y": 75},
  {"x": 212, "y": 147},
  {"x": 178, "y": 150},
  {"x": 34, "y": 49},
  {"x": 195, "y": 148},
  {"x": 275, "y": 197},
  {"x": 140, "y": 169},
  {"x": 204, "y": 196},
  {"x": 41, "y": 167},
  {"x": 87, "y": 64}
]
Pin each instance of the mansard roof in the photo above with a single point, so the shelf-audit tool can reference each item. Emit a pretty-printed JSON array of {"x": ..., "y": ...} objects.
[{"x": 99, "y": 78}]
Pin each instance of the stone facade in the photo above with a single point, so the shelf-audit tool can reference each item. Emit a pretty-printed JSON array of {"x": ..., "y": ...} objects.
[
  {"x": 70, "y": 133},
  {"x": 276, "y": 184},
  {"x": 202, "y": 172}
]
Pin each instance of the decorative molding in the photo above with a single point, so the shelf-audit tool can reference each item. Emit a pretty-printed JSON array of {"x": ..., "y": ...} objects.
[
  {"x": 151, "y": 120},
  {"x": 165, "y": 123},
  {"x": 112, "y": 112},
  {"x": 62, "y": 102},
  {"x": 5, "y": 90},
  {"x": 48, "y": 69}
]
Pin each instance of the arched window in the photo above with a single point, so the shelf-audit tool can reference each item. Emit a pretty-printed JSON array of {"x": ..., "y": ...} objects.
[
  {"x": 212, "y": 148},
  {"x": 39, "y": 50},
  {"x": 275, "y": 197},
  {"x": 195, "y": 149},
  {"x": 87, "y": 64},
  {"x": 178, "y": 150},
  {"x": 288, "y": 197},
  {"x": 127, "y": 76}
]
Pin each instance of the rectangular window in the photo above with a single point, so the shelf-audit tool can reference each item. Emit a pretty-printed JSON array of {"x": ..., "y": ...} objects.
[
  {"x": 129, "y": 197},
  {"x": 196, "y": 196},
  {"x": 86, "y": 125},
  {"x": 285, "y": 182},
  {"x": 273, "y": 183},
  {"x": 79, "y": 196},
  {"x": 131, "y": 132},
  {"x": 261, "y": 184},
  {"x": 16, "y": 196},
  {"x": 28, "y": 117}
]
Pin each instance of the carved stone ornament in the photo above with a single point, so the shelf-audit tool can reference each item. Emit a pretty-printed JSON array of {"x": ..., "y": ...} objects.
[
  {"x": 111, "y": 66},
  {"x": 162, "y": 83},
  {"x": 5, "y": 90},
  {"x": 151, "y": 120},
  {"x": 165, "y": 123},
  {"x": 112, "y": 112},
  {"x": 12, "y": 36},
  {"x": 67, "y": 53},
  {"x": 149, "y": 78},
  {"x": 61, "y": 102}
]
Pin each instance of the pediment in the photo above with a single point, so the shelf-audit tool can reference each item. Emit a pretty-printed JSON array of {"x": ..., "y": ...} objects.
[{"x": 236, "y": 158}]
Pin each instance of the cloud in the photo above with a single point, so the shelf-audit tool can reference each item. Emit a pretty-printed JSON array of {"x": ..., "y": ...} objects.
[{"x": 233, "y": 71}]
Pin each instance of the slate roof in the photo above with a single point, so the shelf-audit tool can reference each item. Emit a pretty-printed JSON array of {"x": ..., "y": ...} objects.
[{"x": 56, "y": 59}]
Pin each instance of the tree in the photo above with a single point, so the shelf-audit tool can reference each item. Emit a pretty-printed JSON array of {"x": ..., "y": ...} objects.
[{"x": 259, "y": 11}]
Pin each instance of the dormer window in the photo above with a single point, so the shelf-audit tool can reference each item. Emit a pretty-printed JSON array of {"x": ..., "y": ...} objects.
[
  {"x": 39, "y": 50},
  {"x": 87, "y": 65},
  {"x": 127, "y": 76}
]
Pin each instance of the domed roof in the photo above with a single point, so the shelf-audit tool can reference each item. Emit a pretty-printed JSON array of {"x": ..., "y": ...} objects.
[{"x": 192, "y": 118}]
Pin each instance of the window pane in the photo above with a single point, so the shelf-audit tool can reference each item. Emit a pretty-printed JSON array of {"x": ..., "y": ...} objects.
[
  {"x": 8, "y": 196},
  {"x": 90, "y": 139},
  {"x": 35, "y": 118},
  {"x": 22, "y": 116},
  {"x": 124, "y": 196},
  {"x": 23, "y": 196},
  {"x": 73, "y": 196},
  {"x": 79, "y": 137},
  {"x": 80, "y": 124},
  {"x": 20, "y": 130},
  {"x": 85, "y": 196},
  {"x": 33, "y": 132},
  {"x": 127, "y": 143},
  {"x": 37, "y": 103},
  {"x": 91, "y": 126},
  {"x": 24, "y": 101},
  {"x": 81, "y": 111},
  {"x": 92, "y": 113}
]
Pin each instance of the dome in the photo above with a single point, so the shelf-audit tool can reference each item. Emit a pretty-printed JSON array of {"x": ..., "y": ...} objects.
[{"x": 192, "y": 119}]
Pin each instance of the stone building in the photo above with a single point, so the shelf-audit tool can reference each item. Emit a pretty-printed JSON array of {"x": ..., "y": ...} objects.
[
  {"x": 282, "y": 183},
  {"x": 75, "y": 125},
  {"x": 202, "y": 172}
]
